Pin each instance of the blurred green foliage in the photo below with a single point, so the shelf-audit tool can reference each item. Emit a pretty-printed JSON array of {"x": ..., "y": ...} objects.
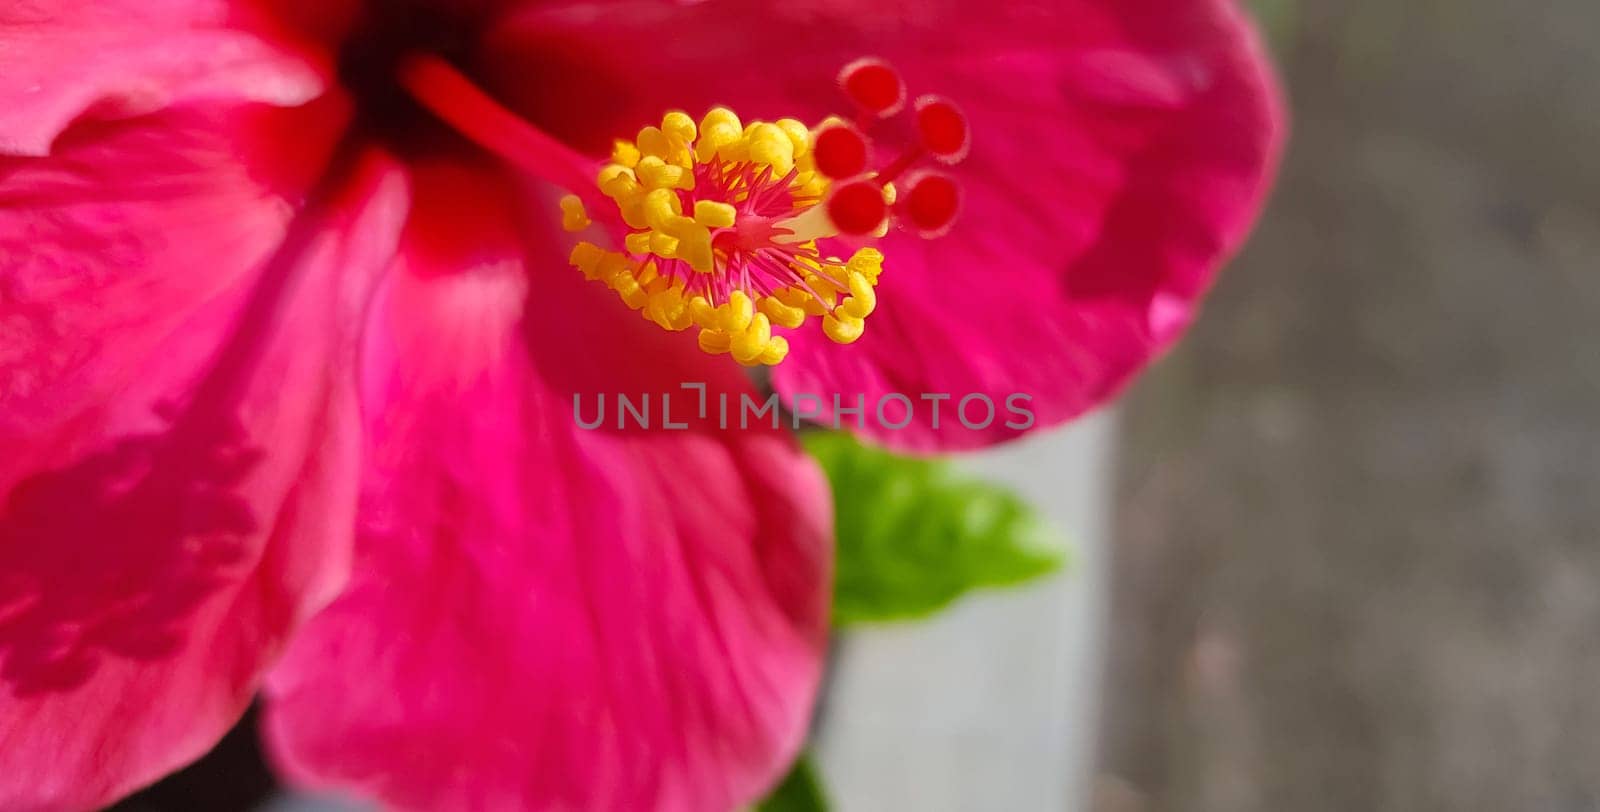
[
  {"x": 913, "y": 536},
  {"x": 800, "y": 791}
]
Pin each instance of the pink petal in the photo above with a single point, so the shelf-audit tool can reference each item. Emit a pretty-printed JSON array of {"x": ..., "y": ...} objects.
[
  {"x": 545, "y": 617},
  {"x": 178, "y": 451},
  {"x": 62, "y": 58},
  {"x": 1121, "y": 151}
]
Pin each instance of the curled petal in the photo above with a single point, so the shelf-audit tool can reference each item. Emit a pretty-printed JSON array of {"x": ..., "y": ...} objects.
[
  {"x": 542, "y": 616},
  {"x": 177, "y": 456}
]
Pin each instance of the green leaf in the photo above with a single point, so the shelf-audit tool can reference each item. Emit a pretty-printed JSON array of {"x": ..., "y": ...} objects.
[
  {"x": 799, "y": 792},
  {"x": 914, "y": 536}
]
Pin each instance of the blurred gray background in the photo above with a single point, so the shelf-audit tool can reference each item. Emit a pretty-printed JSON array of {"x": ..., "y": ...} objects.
[{"x": 1354, "y": 535}]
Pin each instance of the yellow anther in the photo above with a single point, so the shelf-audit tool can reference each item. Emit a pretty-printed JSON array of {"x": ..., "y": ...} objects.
[
  {"x": 573, "y": 217},
  {"x": 677, "y": 321},
  {"x": 868, "y": 262},
  {"x": 679, "y": 125},
  {"x": 736, "y": 150},
  {"x": 737, "y": 313},
  {"x": 694, "y": 246},
  {"x": 713, "y": 214},
  {"x": 660, "y": 207},
  {"x": 613, "y": 266},
  {"x": 799, "y": 136},
  {"x": 586, "y": 257},
  {"x": 862, "y": 299},
  {"x": 715, "y": 342},
  {"x": 656, "y": 173},
  {"x": 813, "y": 187},
  {"x": 720, "y": 117},
  {"x": 771, "y": 146},
  {"x": 777, "y": 350},
  {"x": 663, "y": 244},
  {"x": 624, "y": 153},
  {"x": 890, "y": 193},
  {"x": 685, "y": 228},
  {"x": 638, "y": 242},
  {"x": 860, "y": 286},
  {"x": 760, "y": 330},
  {"x": 791, "y": 296},
  {"x": 801, "y": 298},
  {"x": 843, "y": 328},
  {"x": 649, "y": 275},
  {"x": 823, "y": 286},
  {"x": 703, "y": 313},
  {"x": 630, "y": 290},
  {"x": 632, "y": 209},
  {"x": 782, "y": 314},
  {"x": 718, "y": 129},
  {"x": 749, "y": 344},
  {"x": 616, "y": 180},
  {"x": 713, "y": 141},
  {"x": 668, "y": 309},
  {"x": 652, "y": 141}
]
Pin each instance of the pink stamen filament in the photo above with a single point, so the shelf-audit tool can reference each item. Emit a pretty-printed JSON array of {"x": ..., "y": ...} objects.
[{"x": 450, "y": 95}]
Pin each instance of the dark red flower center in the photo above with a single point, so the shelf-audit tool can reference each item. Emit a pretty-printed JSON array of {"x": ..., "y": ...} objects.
[{"x": 386, "y": 33}]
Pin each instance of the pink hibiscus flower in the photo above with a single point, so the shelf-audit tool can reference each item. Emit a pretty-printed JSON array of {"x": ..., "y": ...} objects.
[{"x": 288, "y": 329}]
